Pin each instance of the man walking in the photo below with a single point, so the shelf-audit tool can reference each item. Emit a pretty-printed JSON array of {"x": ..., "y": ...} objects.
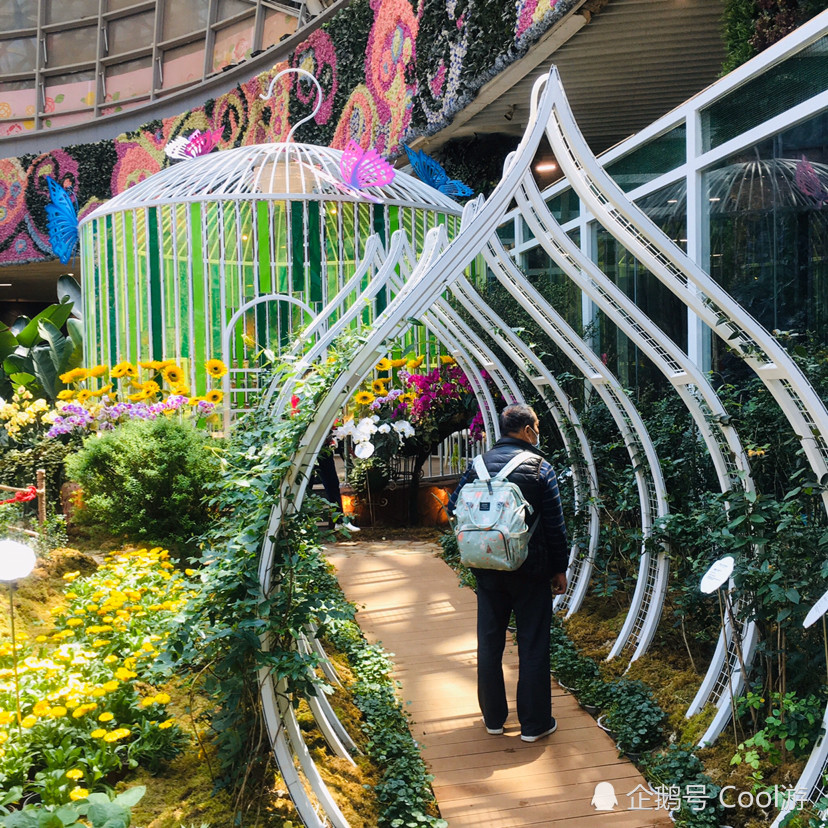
[{"x": 527, "y": 591}]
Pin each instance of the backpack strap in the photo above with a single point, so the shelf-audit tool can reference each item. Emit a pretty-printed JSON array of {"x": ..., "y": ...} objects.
[
  {"x": 520, "y": 457},
  {"x": 480, "y": 467}
]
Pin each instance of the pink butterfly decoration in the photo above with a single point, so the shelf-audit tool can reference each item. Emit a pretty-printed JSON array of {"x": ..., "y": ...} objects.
[
  {"x": 364, "y": 168},
  {"x": 809, "y": 183},
  {"x": 195, "y": 144}
]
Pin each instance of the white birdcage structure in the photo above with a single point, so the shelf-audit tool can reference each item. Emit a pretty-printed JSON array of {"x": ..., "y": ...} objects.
[{"x": 233, "y": 252}]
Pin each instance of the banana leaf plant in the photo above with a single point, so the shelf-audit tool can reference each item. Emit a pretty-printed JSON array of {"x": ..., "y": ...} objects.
[{"x": 35, "y": 352}]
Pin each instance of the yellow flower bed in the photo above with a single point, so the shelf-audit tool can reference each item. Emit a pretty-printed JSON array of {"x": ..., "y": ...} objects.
[{"x": 87, "y": 708}]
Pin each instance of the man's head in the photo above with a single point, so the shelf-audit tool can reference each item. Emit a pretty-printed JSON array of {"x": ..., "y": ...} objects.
[{"x": 521, "y": 422}]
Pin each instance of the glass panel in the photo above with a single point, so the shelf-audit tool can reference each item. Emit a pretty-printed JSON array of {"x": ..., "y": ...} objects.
[
  {"x": 277, "y": 26},
  {"x": 133, "y": 32},
  {"x": 18, "y": 55},
  {"x": 17, "y": 99},
  {"x": 15, "y": 127},
  {"x": 71, "y": 91},
  {"x": 183, "y": 17},
  {"x": 229, "y": 8},
  {"x": 557, "y": 288},
  {"x": 565, "y": 207},
  {"x": 233, "y": 44},
  {"x": 72, "y": 46},
  {"x": 183, "y": 65},
  {"x": 506, "y": 234},
  {"x": 787, "y": 84},
  {"x": 128, "y": 80},
  {"x": 64, "y": 11},
  {"x": 656, "y": 157},
  {"x": 18, "y": 14},
  {"x": 769, "y": 231}
]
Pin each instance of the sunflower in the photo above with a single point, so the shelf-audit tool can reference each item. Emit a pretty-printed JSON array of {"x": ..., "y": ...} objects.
[
  {"x": 378, "y": 387},
  {"x": 447, "y": 360},
  {"x": 83, "y": 396},
  {"x": 151, "y": 388},
  {"x": 406, "y": 398},
  {"x": 66, "y": 394},
  {"x": 98, "y": 371},
  {"x": 215, "y": 368},
  {"x": 101, "y": 391},
  {"x": 173, "y": 374},
  {"x": 214, "y": 396},
  {"x": 414, "y": 363},
  {"x": 141, "y": 395},
  {"x": 151, "y": 364},
  {"x": 124, "y": 369},
  {"x": 398, "y": 363},
  {"x": 75, "y": 375},
  {"x": 384, "y": 364},
  {"x": 364, "y": 398},
  {"x": 181, "y": 390}
]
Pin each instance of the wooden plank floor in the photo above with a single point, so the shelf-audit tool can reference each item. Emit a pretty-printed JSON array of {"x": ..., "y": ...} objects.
[{"x": 411, "y": 603}]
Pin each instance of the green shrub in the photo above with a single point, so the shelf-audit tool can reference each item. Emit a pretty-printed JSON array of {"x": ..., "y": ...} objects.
[
  {"x": 146, "y": 479},
  {"x": 634, "y": 717}
]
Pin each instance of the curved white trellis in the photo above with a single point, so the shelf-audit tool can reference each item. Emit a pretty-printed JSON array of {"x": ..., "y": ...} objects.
[
  {"x": 800, "y": 403},
  {"x": 420, "y": 286},
  {"x": 640, "y": 625},
  {"x": 701, "y": 400}
]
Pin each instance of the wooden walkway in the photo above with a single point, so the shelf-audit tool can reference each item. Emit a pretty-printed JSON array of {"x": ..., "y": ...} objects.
[{"x": 411, "y": 602}]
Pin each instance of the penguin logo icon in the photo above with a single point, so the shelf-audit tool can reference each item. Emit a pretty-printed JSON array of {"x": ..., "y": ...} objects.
[{"x": 604, "y": 798}]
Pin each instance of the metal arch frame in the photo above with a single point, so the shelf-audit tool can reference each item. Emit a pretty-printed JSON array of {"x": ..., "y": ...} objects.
[
  {"x": 649, "y": 480},
  {"x": 584, "y": 473},
  {"x": 723, "y": 443},
  {"x": 439, "y": 264}
]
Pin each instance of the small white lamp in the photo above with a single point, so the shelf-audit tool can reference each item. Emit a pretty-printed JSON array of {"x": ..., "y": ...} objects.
[{"x": 16, "y": 561}]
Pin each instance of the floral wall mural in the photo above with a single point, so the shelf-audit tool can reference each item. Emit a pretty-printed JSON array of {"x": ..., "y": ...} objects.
[{"x": 389, "y": 69}]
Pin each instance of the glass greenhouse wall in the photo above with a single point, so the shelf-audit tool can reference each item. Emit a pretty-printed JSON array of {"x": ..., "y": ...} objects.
[{"x": 737, "y": 177}]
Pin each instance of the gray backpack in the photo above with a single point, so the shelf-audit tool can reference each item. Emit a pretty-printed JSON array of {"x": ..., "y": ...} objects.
[{"x": 491, "y": 518}]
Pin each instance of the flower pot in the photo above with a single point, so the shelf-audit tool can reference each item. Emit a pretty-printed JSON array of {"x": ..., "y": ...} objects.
[
  {"x": 600, "y": 722},
  {"x": 592, "y": 709},
  {"x": 568, "y": 689}
]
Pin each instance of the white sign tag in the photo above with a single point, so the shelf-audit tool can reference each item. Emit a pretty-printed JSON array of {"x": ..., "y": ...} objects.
[
  {"x": 817, "y": 611},
  {"x": 717, "y": 574}
]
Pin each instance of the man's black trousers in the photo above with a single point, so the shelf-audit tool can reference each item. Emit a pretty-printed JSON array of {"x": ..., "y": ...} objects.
[{"x": 498, "y": 594}]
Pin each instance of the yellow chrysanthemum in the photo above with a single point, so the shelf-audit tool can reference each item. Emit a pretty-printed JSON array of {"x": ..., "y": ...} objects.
[
  {"x": 57, "y": 712},
  {"x": 29, "y": 721},
  {"x": 173, "y": 374},
  {"x": 106, "y": 717},
  {"x": 124, "y": 369},
  {"x": 398, "y": 363},
  {"x": 378, "y": 387},
  {"x": 364, "y": 398},
  {"x": 66, "y": 394},
  {"x": 110, "y": 686},
  {"x": 162, "y": 698},
  {"x": 214, "y": 396},
  {"x": 383, "y": 365},
  {"x": 74, "y": 622},
  {"x": 75, "y": 375},
  {"x": 5, "y": 717},
  {"x": 216, "y": 368},
  {"x": 40, "y": 708},
  {"x": 99, "y": 733},
  {"x": 166, "y": 724},
  {"x": 78, "y": 793},
  {"x": 116, "y": 735},
  {"x": 447, "y": 360},
  {"x": 75, "y": 773}
]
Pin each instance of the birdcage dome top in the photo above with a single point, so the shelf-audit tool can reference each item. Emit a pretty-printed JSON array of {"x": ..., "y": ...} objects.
[{"x": 277, "y": 171}]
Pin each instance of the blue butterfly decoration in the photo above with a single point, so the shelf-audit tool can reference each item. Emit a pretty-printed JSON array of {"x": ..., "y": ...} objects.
[
  {"x": 435, "y": 176},
  {"x": 62, "y": 221}
]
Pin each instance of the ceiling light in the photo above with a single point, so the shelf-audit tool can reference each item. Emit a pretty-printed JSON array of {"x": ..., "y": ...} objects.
[
  {"x": 546, "y": 166},
  {"x": 5, "y": 284}
]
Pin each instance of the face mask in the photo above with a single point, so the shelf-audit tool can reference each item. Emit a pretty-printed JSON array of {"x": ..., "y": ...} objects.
[{"x": 536, "y": 444}]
